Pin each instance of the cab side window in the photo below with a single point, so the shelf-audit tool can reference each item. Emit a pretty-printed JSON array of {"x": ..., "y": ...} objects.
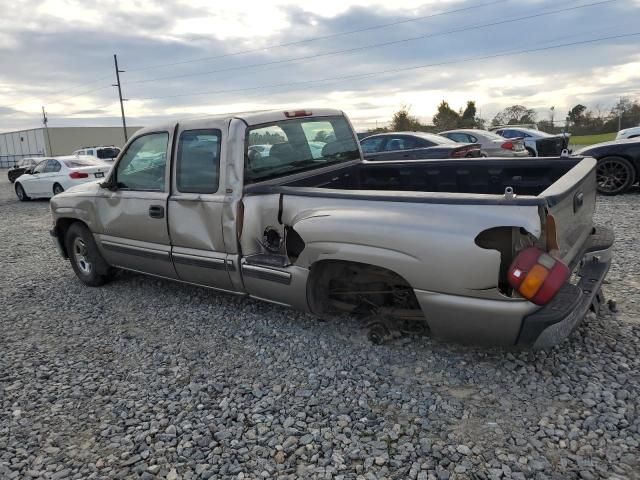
[
  {"x": 198, "y": 167},
  {"x": 143, "y": 165}
]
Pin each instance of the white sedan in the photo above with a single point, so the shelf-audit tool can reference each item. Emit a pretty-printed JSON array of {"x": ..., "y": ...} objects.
[
  {"x": 55, "y": 175},
  {"x": 632, "y": 132}
]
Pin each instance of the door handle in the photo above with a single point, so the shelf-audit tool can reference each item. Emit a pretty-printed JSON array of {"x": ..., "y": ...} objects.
[{"x": 156, "y": 211}]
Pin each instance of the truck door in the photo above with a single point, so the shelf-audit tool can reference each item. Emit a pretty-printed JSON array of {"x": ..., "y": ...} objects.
[
  {"x": 132, "y": 217},
  {"x": 196, "y": 208}
]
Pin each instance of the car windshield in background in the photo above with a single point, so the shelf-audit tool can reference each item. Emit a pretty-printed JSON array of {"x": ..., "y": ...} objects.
[
  {"x": 81, "y": 163},
  {"x": 291, "y": 146},
  {"x": 108, "y": 152},
  {"x": 535, "y": 133},
  {"x": 437, "y": 139},
  {"x": 492, "y": 136}
]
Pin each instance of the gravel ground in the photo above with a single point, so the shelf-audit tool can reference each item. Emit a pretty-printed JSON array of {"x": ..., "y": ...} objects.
[{"x": 150, "y": 379}]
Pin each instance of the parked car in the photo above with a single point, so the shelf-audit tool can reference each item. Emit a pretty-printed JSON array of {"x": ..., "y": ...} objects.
[
  {"x": 537, "y": 142},
  {"x": 55, "y": 175},
  {"x": 491, "y": 144},
  {"x": 106, "y": 153},
  {"x": 475, "y": 251},
  {"x": 618, "y": 164},
  {"x": 633, "y": 132},
  {"x": 414, "y": 146},
  {"x": 22, "y": 166}
]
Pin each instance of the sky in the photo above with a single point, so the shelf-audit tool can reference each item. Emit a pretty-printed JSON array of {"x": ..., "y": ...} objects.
[{"x": 366, "y": 57}]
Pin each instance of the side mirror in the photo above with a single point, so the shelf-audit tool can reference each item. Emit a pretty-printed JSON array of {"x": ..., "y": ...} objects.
[{"x": 108, "y": 185}]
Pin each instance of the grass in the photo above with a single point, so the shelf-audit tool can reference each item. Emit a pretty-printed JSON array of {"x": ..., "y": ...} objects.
[{"x": 591, "y": 139}]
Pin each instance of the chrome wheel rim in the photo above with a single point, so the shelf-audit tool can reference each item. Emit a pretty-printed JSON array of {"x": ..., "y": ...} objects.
[
  {"x": 611, "y": 175},
  {"x": 20, "y": 192},
  {"x": 80, "y": 254}
]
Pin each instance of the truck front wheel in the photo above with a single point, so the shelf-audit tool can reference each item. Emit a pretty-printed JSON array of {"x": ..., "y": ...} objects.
[{"x": 85, "y": 257}]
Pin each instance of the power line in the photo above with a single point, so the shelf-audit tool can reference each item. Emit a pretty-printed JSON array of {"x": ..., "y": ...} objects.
[
  {"x": 396, "y": 70},
  {"x": 376, "y": 45},
  {"x": 55, "y": 94},
  {"x": 324, "y": 37},
  {"x": 82, "y": 93}
]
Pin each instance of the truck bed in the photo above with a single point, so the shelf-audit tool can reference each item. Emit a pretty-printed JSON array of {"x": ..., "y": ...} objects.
[{"x": 527, "y": 177}]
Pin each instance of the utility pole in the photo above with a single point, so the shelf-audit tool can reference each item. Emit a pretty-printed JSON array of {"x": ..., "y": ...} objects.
[
  {"x": 45, "y": 121},
  {"x": 118, "y": 72}
]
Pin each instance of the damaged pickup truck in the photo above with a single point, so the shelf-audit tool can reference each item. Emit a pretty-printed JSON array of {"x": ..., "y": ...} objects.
[{"x": 281, "y": 207}]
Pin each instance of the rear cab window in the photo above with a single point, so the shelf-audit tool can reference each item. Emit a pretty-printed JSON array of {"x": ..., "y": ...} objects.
[
  {"x": 292, "y": 146},
  {"x": 198, "y": 161}
]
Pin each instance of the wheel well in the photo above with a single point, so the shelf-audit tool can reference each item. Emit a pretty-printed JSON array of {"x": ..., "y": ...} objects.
[
  {"x": 54, "y": 185},
  {"x": 62, "y": 227},
  {"x": 337, "y": 285}
]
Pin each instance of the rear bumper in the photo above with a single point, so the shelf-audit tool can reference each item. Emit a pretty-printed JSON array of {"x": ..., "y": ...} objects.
[
  {"x": 554, "y": 322},
  {"x": 517, "y": 321}
]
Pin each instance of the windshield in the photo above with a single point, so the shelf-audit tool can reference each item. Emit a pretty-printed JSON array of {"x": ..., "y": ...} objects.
[
  {"x": 437, "y": 139},
  {"x": 110, "y": 152},
  {"x": 82, "y": 163},
  {"x": 291, "y": 146},
  {"x": 492, "y": 136}
]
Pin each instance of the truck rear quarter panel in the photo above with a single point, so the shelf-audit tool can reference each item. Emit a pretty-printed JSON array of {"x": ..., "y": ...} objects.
[{"x": 431, "y": 245}]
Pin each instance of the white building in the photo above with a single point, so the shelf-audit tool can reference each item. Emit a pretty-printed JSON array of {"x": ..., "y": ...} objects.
[{"x": 56, "y": 141}]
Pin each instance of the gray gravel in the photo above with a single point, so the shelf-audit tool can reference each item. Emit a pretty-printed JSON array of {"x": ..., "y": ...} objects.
[{"x": 150, "y": 379}]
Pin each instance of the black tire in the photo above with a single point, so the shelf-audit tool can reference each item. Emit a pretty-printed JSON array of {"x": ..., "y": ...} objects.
[
  {"x": 85, "y": 257},
  {"x": 532, "y": 153},
  {"x": 57, "y": 188},
  {"x": 22, "y": 196},
  {"x": 614, "y": 175}
]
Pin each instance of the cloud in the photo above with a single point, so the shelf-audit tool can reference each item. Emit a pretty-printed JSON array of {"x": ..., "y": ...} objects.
[{"x": 55, "y": 47}]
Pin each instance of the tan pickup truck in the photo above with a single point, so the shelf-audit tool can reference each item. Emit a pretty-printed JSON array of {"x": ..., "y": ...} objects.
[{"x": 281, "y": 207}]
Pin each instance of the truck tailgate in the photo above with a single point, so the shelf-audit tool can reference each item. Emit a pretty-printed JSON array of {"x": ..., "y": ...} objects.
[{"x": 571, "y": 203}]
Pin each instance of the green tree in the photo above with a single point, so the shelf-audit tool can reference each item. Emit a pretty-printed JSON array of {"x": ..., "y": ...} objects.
[
  {"x": 514, "y": 115},
  {"x": 577, "y": 115},
  {"x": 403, "y": 121},
  {"x": 446, "y": 118},
  {"x": 321, "y": 136},
  {"x": 468, "y": 118}
]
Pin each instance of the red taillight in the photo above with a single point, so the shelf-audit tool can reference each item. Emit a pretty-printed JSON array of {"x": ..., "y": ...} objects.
[
  {"x": 459, "y": 153},
  {"x": 297, "y": 113},
  {"x": 507, "y": 145},
  {"x": 537, "y": 276},
  {"x": 465, "y": 151},
  {"x": 75, "y": 175}
]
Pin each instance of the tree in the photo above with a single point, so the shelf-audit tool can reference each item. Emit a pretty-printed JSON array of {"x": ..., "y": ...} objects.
[
  {"x": 403, "y": 121},
  {"x": 447, "y": 118},
  {"x": 513, "y": 115},
  {"x": 577, "y": 115},
  {"x": 321, "y": 136},
  {"x": 468, "y": 118}
]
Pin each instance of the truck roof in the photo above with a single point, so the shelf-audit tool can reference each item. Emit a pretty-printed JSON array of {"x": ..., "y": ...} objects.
[{"x": 250, "y": 118}]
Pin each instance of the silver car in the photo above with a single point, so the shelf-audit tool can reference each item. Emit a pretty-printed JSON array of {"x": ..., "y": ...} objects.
[{"x": 491, "y": 144}]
